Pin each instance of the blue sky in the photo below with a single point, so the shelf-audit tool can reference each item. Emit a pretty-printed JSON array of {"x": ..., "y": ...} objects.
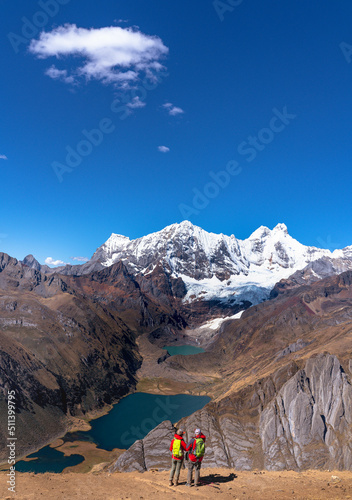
[{"x": 259, "y": 90}]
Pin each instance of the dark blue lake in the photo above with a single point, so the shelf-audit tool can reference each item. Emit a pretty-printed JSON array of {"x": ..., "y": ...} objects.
[
  {"x": 48, "y": 460},
  {"x": 129, "y": 420},
  {"x": 183, "y": 349}
]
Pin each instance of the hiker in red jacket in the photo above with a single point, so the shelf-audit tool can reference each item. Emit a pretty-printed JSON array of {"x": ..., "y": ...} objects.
[
  {"x": 178, "y": 446},
  {"x": 196, "y": 448}
]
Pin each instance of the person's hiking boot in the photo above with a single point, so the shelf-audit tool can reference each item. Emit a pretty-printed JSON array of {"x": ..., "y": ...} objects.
[
  {"x": 176, "y": 482},
  {"x": 188, "y": 484},
  {"x": 171, "y": 483}
]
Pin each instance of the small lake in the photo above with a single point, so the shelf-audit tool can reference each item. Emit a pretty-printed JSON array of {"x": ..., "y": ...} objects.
[
  {"x": 48, "y": 460},
  {"x": 183, "y": 349},
  {"x": 129, "y": 420}
]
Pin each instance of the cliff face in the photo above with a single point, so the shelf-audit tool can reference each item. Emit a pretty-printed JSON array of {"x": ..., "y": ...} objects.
[{"x": 309, "y": 422}]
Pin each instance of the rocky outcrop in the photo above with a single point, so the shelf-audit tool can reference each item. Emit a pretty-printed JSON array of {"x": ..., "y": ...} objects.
[
  {"x": 309, "y": 423},
  {"x": 294, "y": 347},
  {"x": 148, "y": 453},
  {"x": 298, "y": 418},
  {"x": 17, "y": 275},
  {"x": 315, "y": 271},
  {"x": 31, "y": 261}
]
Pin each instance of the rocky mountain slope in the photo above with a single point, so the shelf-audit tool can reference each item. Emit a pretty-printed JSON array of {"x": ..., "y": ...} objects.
[
  {"x": 69, "y": 343},
  {"x": 63, "y": 354},
  {"x": 316, "y": 270},
  {"x": 283, "y": 399}
]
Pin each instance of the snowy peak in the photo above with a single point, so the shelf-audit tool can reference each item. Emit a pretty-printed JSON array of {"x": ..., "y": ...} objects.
[
  {"x": 215, "y": 266},
  {"x": 182, "y": 248},
  {"x": 282, "y": 228},
  {"x": 260, "y": 233},
  {"x": 115, "y": 240},
  {"x": 264, "y": 231},
  {"x": 276, "y": 247},
  {"x": 186, "y": 249},
  {"x": 106, "y": 253}
]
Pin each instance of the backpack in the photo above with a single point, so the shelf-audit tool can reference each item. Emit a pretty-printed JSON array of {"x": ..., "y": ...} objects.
[
  {"x": 176, "y": 448},
  {"x": 199, "y": 448}
]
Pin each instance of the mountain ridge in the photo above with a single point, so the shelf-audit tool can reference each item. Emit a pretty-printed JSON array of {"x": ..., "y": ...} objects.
[{"x": 212, "y": 266}]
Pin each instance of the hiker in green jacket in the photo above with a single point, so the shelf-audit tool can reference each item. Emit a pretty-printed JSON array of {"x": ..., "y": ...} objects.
[
  {"x": 196, "y": 448},
  {"x": 178, "y": 446}
]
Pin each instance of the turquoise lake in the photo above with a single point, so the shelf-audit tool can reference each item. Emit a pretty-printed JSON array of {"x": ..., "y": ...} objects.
[
  {"x": 183, "y": 349},
  {"x": 129, "y": 420}
]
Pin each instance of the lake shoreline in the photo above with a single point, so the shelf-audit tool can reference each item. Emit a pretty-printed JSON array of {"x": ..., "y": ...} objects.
[
  {"x": 182, "y": 350},
  {"x": 156, "y": 386}
]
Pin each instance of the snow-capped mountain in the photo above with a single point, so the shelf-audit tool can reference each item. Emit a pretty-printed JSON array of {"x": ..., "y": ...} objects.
[{"x": 215, "y": 266}]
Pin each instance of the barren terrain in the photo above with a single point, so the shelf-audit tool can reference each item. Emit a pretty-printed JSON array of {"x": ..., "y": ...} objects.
[{"x": 216, "y": 483}]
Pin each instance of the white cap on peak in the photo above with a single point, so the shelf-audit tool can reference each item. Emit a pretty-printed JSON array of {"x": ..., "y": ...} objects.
[{"x": 280, "y": 227}]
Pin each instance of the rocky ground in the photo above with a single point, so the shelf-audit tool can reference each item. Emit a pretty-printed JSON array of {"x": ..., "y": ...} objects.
[{"x": 215, "y": 483}]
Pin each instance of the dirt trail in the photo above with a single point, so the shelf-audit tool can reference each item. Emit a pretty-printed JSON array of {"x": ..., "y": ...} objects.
[{"x": 216, "y": 483}]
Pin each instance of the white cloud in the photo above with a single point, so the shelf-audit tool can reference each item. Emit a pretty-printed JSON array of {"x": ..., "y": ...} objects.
[
  {"x": 111, "y": 54},
  {"x": 59, "y": 74},
  {"x": 172, "y": 110},
  {"x": 3, "y": 157},
  {"x": 80, "y": 259},
  {"x": 136, "y": 103},
  {"x": 176, "y": 111},
  {"x": 163, "y": 149},
  {"x": 51, "y": 262}
]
